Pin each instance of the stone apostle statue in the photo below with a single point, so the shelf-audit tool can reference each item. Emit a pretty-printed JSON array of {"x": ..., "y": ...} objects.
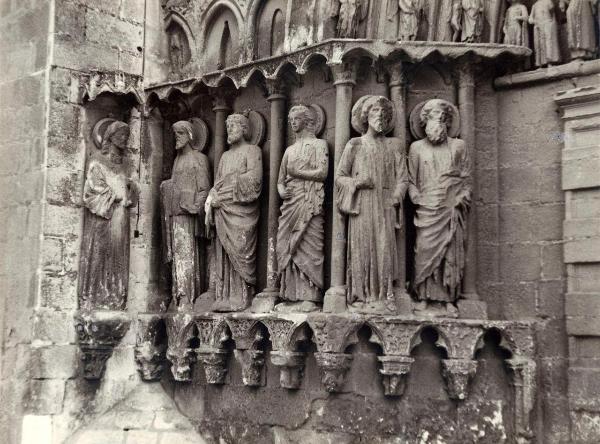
[
  {"x": 351, "y": 18},
  {"x": 371, "y": 181},
  {"x": 515, "y": 27},
  {"x": 182, "y": 199},
  {"x": 301, "y": 236},
  {"x": 108, "y": 194},
  {"x": 472, "y": 20},
  {"x": 545, "y": 33},
  {"x": 440, "y": 187},
  {"x": 410, "y": 16},
  {"x": 581, "y": 27},
  {"x": 232, "y": 206}
]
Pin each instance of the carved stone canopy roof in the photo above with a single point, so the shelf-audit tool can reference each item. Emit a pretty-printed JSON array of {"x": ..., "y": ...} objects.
[{"x": 339, "y": 51}]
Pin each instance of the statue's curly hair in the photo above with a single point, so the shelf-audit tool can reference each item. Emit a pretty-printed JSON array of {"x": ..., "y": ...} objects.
[
  {"x": 430, "y": 105},
  {"x": 243, "y": 121}
]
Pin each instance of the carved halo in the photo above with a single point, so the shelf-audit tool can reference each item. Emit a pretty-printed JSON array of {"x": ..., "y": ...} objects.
[
  {"x": 418, "y": 131},
  {"x": 257, "y": 127},
  {"x": 100, "y": 129},
  {"x": 200, "y": 133},
  {"x": 320, "y": 118},
  {"x": 359, "y": 125}
]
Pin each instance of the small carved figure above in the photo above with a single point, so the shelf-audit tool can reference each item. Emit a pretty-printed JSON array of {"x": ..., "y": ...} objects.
[
  {"x": 182, "y": 201},
  {"x": 515, "y": 27},
  {"x": 581, "y": 29},
  {"x": 545, "y": 33},
  {"x": 108, "y": 194},
  {"x": 179, "y": 47},
  {"x": 440, "y": 187},
  {"x": 447, "y": 21},
  {"x": 351, "y": 18},
  {"x": 371, "y": 181},
  {"x": 301, "y": 236},
  {"x": 472, "y": 20},
  {"x": 232, "y": 207},
  {"x": 410, "y": 16}
]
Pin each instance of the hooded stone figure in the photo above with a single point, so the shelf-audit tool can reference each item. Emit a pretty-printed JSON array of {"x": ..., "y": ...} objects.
[
  {"x": 371, "y": 181},
  {"x": 440, "y": 187},
  {"x": 182, "y": 198},
  {"x": 108, "y": 194}
]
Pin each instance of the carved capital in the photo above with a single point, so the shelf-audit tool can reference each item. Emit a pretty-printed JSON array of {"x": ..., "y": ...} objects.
[
  {"x": 180, "y": 333},
  {"x": 395, "y": 369},
  {"x": 252, "y": 362},
  {"x": 397, "y": 74},
  {"x": 333, "y": 369},
  {"x": 465, "y": 72},
  {"x": 291, "y": 366},
  {"x": 221, "y": 99},
  {"x": 215, "y": 364},
  {"x": 344, "y": 73},
  {"x": 150, "y": 349},
  {"x": 276, "y": 89},
  {"x": 98, "y": 333},
  {"x": 458, "y": 374}
]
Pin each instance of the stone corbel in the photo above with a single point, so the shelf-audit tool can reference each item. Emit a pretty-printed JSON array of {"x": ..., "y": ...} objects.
[
  {"x": 179, "y": 352},
  {"x": 333, "y": 369},
  {"x": 524, "y": 386},
  {"x": 149, "y": 352},
  {"x": 395, "y": 369},
  {"x": 98, "y": 333},
  {"x": 214, "y": 361},
  {"x": 252, "y": 362},
  {"x": 291, "y": 366},
  {"x": 458, "y": 374}
]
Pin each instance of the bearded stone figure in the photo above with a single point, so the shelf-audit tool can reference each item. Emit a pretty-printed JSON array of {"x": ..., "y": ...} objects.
[
  {"x": 440, "y": 187},
  {"x": 232, "y": 207},
  {"x": 371, "y": 181},
  {"x": 108, "y": 194},
  {"x": 581, "y": 27},
  {"x": 300, "y": 238},
  {"x": 182, "y": 198}
]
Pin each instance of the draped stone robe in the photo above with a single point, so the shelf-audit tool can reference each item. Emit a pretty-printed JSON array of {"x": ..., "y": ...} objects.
[
  {"x": 300, "y": 237},
  {"x": 374, "y": 215},
  {"x": 581, "y": 28},
  {"x": 440, "y": 175},
  {"x": 472, "y": 20},
  {"x": 515, "y": 26},
  {"x": 545, "y": 33},
  {"x": 182, "y": 200},
  {"x": 237, "y": 187},
  {"x": 104, "y": 264}
]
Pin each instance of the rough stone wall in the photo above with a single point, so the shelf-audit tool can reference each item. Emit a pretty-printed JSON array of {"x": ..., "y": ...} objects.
[{"x": 24, "y": 55}]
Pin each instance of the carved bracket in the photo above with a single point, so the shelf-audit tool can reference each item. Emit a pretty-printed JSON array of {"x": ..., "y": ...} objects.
[
  {"x": 458, "y": 374},
  {"x": 215, "y": 364},
  {"x": 291, "y": 368},
  {"x": 180, "y": 332},
  {"x": 252, "y": 362},
  {"x": 524, "y": 386},
  {"x": 394, "y": 370},
  {"x": 149, "y": 352},
  {"x": 333, "y": 368},
  {"x": 98, "y": 333}
]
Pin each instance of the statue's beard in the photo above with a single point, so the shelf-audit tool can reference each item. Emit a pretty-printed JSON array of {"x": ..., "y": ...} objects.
[{"x": 437, "y": 131}]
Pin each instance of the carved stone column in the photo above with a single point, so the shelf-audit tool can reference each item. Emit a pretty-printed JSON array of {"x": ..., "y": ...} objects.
[
  {"x": 466, "y": 105},
  {"x": 149, "y": 352},
  {"x": 458, "y": 374},
  {"x": 345, "y": 79},
  {"x": 265, "y": 301},
  {"x": 398, "y": 85},
  {"x": 524, "y": 389},
  {"x": 291, "y": 365},
  {"x": 215, "y": 364},
  {"x": 395, "y": 369},
  {"x": 333, "y": 369}
]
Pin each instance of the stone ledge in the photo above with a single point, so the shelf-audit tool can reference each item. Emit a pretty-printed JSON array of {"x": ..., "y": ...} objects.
[{"x": 543, "y": 75}]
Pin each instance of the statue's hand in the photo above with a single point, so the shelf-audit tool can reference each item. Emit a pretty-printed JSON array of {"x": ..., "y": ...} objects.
[{"x": 284, "y": 192}]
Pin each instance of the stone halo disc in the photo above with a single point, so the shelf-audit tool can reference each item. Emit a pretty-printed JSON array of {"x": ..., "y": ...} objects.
[
  {"x": 320, "y": 118},
  {"x": 418, "y": 131},
  {"x": 99, "y": 129},
  {"x": 201, "y": 133},
  {"x": 257, "y": 127}
]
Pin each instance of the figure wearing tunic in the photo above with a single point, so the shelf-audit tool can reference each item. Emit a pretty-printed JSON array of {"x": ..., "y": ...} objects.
[
  {"x": 410, "y": 14},
  {"x": 237, "y": 188},
  {"x": 515, "y": 25},
  {"x": 374, "y": 215},
  {"x": 545, "y": 33},
  {"x": 472, "y": 20},
  {"x": 182, "y": 199},
  {"x": 300, "y": 237},
  {"x": 439, "y": 177},
  {"x": 104, "y": 266},
  {"x": 581, "y": 28}
]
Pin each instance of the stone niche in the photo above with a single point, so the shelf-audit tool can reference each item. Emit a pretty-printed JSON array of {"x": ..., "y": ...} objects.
[{"x": 318, "y": 255}]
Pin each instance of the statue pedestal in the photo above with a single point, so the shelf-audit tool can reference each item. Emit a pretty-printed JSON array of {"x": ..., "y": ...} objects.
[
  {"x": 472, "y": 309},
  {"x": 335, "y": 300},
  {"x": 264, "y": 302}
]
